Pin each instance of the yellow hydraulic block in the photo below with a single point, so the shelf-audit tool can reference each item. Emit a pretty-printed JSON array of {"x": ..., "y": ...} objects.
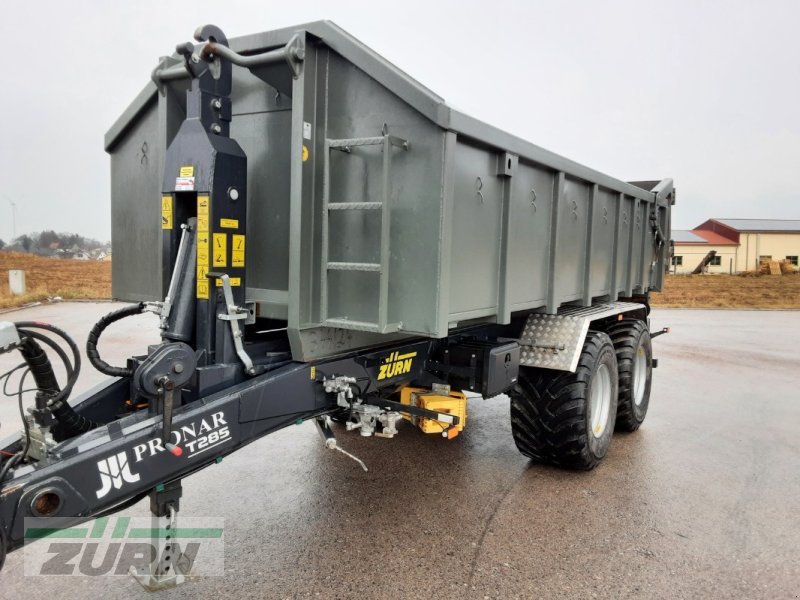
[{"x": 441, "y": 400}]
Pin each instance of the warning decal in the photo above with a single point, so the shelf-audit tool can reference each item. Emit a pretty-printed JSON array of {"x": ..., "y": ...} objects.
[
  {"x": 202, "y": 247},
  {"x": 237, "y": 250},
  {"x": 166, "y": 212},
  {"x": 220, "y": 250},
  {"x": 229, "y": 223},
  {"x": 184, "y": 184},
  {"x": 187, "y": 171},
  {"x": 235, "y": 281}
]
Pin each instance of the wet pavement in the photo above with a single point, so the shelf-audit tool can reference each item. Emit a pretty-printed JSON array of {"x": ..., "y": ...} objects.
[{"x": 702, "y": 502}]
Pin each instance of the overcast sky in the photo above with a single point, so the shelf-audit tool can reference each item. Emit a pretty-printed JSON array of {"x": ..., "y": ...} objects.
[{"x": 707, "y": 93}]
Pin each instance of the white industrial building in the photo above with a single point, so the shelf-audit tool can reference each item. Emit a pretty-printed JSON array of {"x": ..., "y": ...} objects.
[{"x": 740, "y": 244}]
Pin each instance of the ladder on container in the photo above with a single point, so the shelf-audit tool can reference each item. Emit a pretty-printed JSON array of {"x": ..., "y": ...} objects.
[{"x": 387, "y": 142}]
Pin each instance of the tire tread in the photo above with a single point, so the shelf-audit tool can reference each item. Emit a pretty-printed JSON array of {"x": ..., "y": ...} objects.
[{"x": 548, "y": 411}]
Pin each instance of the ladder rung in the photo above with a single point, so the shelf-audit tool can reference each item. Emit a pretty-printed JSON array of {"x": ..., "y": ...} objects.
[
  {"x": 354, "y": 266},
  {"x": 346, "y": 143},
  {"x": 355, "y": 205}
]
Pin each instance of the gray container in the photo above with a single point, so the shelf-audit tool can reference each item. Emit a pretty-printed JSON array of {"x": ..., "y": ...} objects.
[{"x": 376, "y": 210}]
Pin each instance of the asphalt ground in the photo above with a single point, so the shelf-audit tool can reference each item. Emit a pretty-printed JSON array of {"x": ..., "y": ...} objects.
[{"x": 702, "y": 502}]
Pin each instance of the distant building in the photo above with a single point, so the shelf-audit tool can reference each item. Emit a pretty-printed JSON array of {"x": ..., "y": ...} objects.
[{"x": 741, "y": 244}]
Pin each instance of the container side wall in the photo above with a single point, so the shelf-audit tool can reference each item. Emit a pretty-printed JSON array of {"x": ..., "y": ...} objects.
[
  {"x": 529, "y": 231},
  {"x": 571, "y": 247},
  {"x": 602, "y": 244},
  {"x": 262, "y": 126},
  {"x": 624, "y": 245},
  {"x": 476, "y": 227},
  {"x": 136, "y": 164}
]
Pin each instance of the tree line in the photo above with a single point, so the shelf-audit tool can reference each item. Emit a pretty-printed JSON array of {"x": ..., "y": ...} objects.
[{"x": 50, "y": 240}]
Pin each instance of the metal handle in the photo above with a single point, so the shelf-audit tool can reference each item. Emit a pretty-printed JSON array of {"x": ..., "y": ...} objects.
[{"x": 293, "y": 53}]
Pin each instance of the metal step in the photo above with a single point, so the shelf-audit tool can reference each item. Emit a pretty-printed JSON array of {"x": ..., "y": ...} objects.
[{"x": 354, "y": 266}]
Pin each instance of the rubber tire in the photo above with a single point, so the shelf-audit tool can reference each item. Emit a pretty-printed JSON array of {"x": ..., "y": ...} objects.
[
  {"x": 550, "y": 410},
  {"x": 628, "y": 338}
]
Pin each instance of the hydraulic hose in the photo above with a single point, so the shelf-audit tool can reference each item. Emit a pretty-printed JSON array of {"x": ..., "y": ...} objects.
[
  {"x": 39, "y": 364},
  {"x": 94, "y": 337},
  {"x": 42, "y": 372},
  {"x": 73, "y": 368}
]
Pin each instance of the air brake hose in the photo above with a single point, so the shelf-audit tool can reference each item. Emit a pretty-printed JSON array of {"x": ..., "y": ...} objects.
[{"x": 94, "y": 336}]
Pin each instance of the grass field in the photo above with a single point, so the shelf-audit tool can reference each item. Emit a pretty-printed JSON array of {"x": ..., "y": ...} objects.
[
  {"x": 75, "y": 279},
  {"x": 48, "y": 277}
]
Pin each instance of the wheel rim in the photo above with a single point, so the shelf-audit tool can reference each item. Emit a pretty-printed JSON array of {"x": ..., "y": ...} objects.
[
  {"x": 639, "y": 376},
  {"x": 600, "y": 400}
]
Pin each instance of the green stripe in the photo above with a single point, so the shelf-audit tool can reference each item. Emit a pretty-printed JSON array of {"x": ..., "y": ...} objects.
[
  {"x": 36, "y": 533},
  {"x": 121, "y": 527},
  {"x": 99, "y": 527}
]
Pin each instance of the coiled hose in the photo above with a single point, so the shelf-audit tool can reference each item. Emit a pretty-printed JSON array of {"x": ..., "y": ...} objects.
[
  {"x": 94, "y": 337},
  {"x": 42, "y": 371}
]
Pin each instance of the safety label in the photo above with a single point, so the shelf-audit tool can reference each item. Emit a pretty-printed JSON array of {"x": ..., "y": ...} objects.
[
  {"x": 237, "y": 250},
  {"x": 202, "y": 247},
  {"x": 220, "y": 249},
  {"x": 166, "y": 212},
  {"x": 184, "y": 184},
  {"x": 235, "y": 282},
  {"x": 229, "y": 223},
  {"x": 187, "y": 171}
]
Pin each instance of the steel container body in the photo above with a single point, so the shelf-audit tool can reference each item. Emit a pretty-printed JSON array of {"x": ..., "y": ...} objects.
[{"x": 377, "y": 211}]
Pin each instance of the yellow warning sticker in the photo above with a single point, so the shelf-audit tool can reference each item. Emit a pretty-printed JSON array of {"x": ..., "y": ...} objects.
[
  {"x": 166, "y": 212},
  {"x": 237, "y": 250},
  {"x": 305, "y": 153},
  {"x": 202, "y": 281},
  {"x": 235, "y": 282},
  {"x": 202, "y": 223},
  {"x": 202, "y": 244},
  {"x": 202, "y": 205},
  {"x": 313, "y": 372},
  {"x": 229, "y": 223},
  {"x": 220, "y": 250},
  {"x": 187, "y": 171},
  {"x": 202, "y": 255},
  {"x": 202, "y": 264}
]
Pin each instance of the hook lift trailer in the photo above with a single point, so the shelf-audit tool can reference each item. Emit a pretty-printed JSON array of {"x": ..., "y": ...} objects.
[{"x": 573, "y": 354}]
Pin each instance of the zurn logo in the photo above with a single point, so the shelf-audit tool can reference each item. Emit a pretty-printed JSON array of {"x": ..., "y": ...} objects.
[
  {"x": 396, "y": 364},
  {"x": 121, "y": 545}
]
